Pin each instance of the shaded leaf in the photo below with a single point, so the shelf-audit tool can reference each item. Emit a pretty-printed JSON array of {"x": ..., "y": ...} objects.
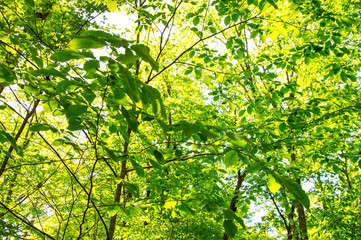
[
  {"x": 143, "y": 51},
  {"x": 296, "y": 190},
  {"x": 230, "y": 228},
  {"x": 138, "y": 168},
  {"x": 74, "y": 111},
  {"x": 159, "y": 156},
  {"x": 253, "y": 167},
  {"x": 37, "y": 127},
  {"x": 85, "y": 43},
  {"x": 68, "y": 54},
  {"x": 231, "y": 158},
  {"x": 7, "y": 76}
]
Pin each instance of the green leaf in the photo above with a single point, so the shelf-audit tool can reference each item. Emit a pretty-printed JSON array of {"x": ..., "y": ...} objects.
[
  {"x": 189, "y": 129},
  {"x": 143, "y": 51},
  {"x": 188, "y": 71},
  {"x": 296, "y": 190},
  {"x": 262, "y": 4},
  {"x": 227, "y": 20},
  {"x": 307, "y": 60},
  {"x": 7, "y": 76},
  {"x": 89, "y": 95},
  {"x": 128, "y": 57},
  {"x": 196, "y": 20},
  {"x": 12, "y": 142},
  {"x": 68, "y": 54},
  {"x": 74, "y": 111},
  {"x": 75, "y": 124},
  {"x": 31, "y": 90},
  {"x": 132, "y": 188},
  {"x": 231, "y": 158},
  {"x": 229, "y": 43},
  {"x": 91, "y": 66},
  {"x": 253, "y": 167},
  {"x": 282, "y": 127},
  {"x": 85, "y": 43},
  {"x": 159, "y": 156},
  {"x": 138, "y": 168},
  {"x": 272, "y": 2},
  {"x": 184, "y": 207},
  {"x": 113, "y": 210},
  {"x": 230, "y": 228},
  {"x": 132, "y": 122},
  {"x": 49, "y": 71},
  {"x": 155, "y": 165},
  {"x": 102, "y": 36},
  {"x": 37, "y": 127},
  {"x": 230, "y": 215},
  {"x": 111, "y": 153},
  {"x": 343, "y": 76},
  {"x": 272, "y": 184}
]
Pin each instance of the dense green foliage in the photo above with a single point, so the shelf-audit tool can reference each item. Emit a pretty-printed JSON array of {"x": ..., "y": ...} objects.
[{"x": 205, "y": 119}]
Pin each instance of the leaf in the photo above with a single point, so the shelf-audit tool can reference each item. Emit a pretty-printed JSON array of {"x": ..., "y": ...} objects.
[
  {"x": 184, "y": 207},
  {"x": 103, "y": 37},
  {"x": 85, "y": 43},
  {"x": 170, "y": 204},
  {"x": 196, "y": 20},
  {"x": 7, "y": 76},
  {"x": 296, "y": 190},
  {"x": 272, "y": 184},
  {"x": 37, "y": 127},
  {"x": 155, "y": 165},
  {"x": 49, "y": 71},
  {"x": 343, "y": 76},
  {"x": 189, "y": 129},
  {"x": 227, "y": 20},
  {"x": 75, "y": 124},
  {"x": 12, "y": 142},
  {"x": 159, "y": 156},
  {"x": 253, "y": 167},
  {"x": 128, "y": 57},
  {"x": 138, "y": 168},
  {"x": 282, "y": 127},
  {"x": 113, "y": 210},
  {"x": 91, "y": 66},
  {"x": 89, "y": 95},
  {"x": 143, "y": 51},
  {"x": 262, "y": 4},
  {"x": 230, "y": 228},
  {"x": 132, "y": 122},
  {"x": 74, "y": 111},
  {"x": 111, "y": 154},
  {"x": 112, "y": 5},
  {"x": 272, "y": 2},
  {"x": 230, "y": 215},
  {"x": 132, "y": 188},
  {"x": 31, "y": 90},
  {"x": 229, "y": 43},
  {"x": 68, "y": 54},
  {"x": 231, "y": 158}
]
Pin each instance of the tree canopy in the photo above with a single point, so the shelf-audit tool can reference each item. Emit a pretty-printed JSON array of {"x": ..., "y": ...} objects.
[{"x": 204, "y": 119}]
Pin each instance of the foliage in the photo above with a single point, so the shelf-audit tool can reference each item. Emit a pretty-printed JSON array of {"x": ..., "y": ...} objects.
[{"x": 202, "y": 120}]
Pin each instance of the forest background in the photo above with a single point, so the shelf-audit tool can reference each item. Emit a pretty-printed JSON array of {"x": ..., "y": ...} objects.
[{"x": 209, "y": 119}]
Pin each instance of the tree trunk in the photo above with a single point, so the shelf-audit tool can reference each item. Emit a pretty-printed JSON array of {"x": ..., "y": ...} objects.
[
  {"x": 232, "y": 205},
  {"x": 301, "y": 218}
]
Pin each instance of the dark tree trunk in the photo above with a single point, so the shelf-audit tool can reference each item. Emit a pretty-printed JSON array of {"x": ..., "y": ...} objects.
[{"x": 232, "y": 205}]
